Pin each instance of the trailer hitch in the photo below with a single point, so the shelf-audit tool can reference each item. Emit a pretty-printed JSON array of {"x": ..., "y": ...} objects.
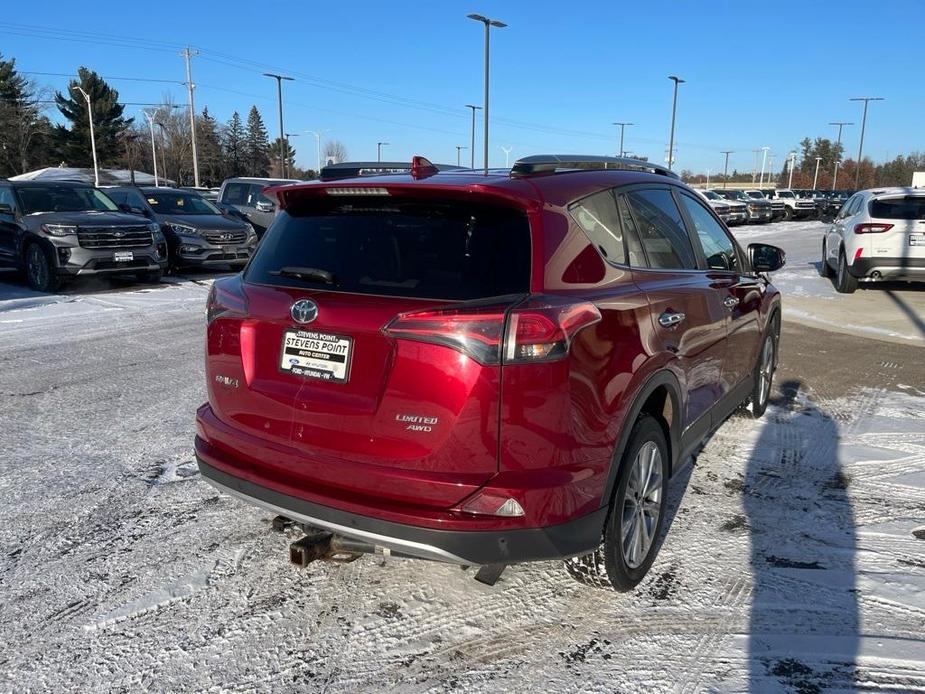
[{"x": 320, "y": 544}]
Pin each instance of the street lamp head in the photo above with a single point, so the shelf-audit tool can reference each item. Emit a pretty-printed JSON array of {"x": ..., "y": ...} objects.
[
  {"x": 477, "y": 108},
  {"x": 487, "y": 21},
  {"x": 676, "y": 80},
  {"x": 278, "y": 77},
  {"x": 496, "y": 23}
]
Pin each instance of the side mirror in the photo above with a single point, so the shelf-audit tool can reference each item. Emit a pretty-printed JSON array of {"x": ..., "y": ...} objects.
[
  {"x": 265, "y": 206},
  {"x": 765, "y": 257},
  {"x": 6, "y": 209}
]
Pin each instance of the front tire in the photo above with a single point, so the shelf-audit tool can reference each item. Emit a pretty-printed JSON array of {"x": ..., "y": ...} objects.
[
  {"x": 41, "y": 273},
  {"x": 637, "y": 514},
  {"x": 764, "y": 372},
  {"x": 845, "y": 282},
  {"x": 788, "y": 214}
]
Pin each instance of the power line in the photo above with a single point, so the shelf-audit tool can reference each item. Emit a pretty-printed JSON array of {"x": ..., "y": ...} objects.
[{"x": 105, "y": 77}]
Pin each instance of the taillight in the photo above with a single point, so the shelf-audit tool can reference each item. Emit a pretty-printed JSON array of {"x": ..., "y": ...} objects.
[
  {"x": 539, "y": 330},
  {"x": 871, "y": 228},
  {"x": 226, "y": 300}
]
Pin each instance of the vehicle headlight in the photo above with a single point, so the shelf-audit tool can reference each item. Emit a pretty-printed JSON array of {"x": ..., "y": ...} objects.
[
  {"x": 184, "y": 229},
  {"x": 251, "y": 232},
  {"x": 59, "y": 229}
]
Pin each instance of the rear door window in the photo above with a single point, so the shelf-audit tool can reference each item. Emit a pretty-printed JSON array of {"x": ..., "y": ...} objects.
[
  {"x": 661, "y": 229},
  {"x": 398, "y": 247},
  {"x": 235, "y": 194},
  {"x": 909, "y": 207}
]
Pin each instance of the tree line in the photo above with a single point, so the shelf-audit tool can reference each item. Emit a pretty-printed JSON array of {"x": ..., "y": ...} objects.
[{"x": 29, "y": 139}]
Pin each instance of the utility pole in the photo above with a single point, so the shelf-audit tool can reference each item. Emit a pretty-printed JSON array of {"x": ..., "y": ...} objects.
[
  {"x": 282, "y": 133},
  {"x": 793, "y": 161},
  {"x": 674, "y": 109},
  {"x": 151, "y": 117},
  {"x": 840, "y": 124},
  {"x": 507, "y": 156},
  {"x": 726, "y": 167},
  {"x": 187, "y": 53},
  {"x": 96, "y": 170},
  {"x": 318, "y": 143},
  {"x": 866, "y": 100},
  {"x": 708, "y": 178},
  {"x": 472, "y": 142},
  {"x": 764, "y": 159},
  {"x": 755, "y": 165},
  {"x": 816, "y": 175},
  {"x": 770, "y": 169},
  {"x": 459, "y": 149},
  {"x": 379, "y": 150},
  {"x": 489, "y": 23},
  {"x": 622, "y": 128}
]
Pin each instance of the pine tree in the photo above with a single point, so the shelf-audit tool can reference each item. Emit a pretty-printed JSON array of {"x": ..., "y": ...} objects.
[
  {"x": 233, "y": 146},
  {"x": 23, "y": 130},
  {"x": 275, "y": 168},
  {"x": 209, "y": 148},
  {"x": 256, "y": 145},
  {"x": 73, "y": 143}
]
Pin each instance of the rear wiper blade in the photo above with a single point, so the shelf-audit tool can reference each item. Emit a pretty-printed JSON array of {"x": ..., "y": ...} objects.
[{"x": 309, "y": 274}]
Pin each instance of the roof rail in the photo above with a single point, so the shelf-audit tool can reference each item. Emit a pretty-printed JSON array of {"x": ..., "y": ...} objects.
[{"x": 550, "y": 163}]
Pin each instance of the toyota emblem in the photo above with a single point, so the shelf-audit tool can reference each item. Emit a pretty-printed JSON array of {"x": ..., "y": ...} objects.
[{"x": 304, "y": 311}]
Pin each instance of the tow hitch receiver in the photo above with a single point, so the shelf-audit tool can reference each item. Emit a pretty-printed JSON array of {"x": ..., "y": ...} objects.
[{"x": 327, "y": 546}]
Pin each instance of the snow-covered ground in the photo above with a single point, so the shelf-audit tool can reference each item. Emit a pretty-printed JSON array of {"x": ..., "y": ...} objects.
[{"x": 795, "y": 559}]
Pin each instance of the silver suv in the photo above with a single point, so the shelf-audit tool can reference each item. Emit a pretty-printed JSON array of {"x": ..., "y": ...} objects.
[
  {"x": 245, "y": 196},
  {"x": 55, "y": 231}
]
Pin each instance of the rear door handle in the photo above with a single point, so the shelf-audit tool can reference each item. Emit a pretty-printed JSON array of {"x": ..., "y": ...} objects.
[
  {"x": 670, "y": 318},
  {"x": 730, "y": 302}
]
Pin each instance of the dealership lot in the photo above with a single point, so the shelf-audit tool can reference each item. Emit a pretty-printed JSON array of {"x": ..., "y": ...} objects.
[{"x": 796, "y": 541}]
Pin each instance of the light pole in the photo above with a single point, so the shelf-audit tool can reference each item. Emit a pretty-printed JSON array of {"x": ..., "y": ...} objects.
[
  {"x": 318, "y": 144},
  {"x": 726, "y": 167},
  {"x": 764, "y": 159},
  {"x": 770, "y": 169},
  {"x": 840, "y": 124},
  {"x": 866, "y": 100},
  {"x": 459, "y": 149},
  {"x": 96, "y": 170},
  {"x": 151, "y": 117},
  {"x": 793, "y": 161},
  {"x": 282, "y": 133},
  {"x": 379, "y": 150},
  {"x": 472, "y": 139},
  {"x": 489, "y": 23},
  {"x": 507, "y": 156},
  {"x": 674, "y": 109},
  {"x": 708, "y": 178},
  {"x": 816, "y": 175},
  {"x": 622, "y": 128},
  {"x": 755, "y": 165},
  {"x": 288, "y": 135}
]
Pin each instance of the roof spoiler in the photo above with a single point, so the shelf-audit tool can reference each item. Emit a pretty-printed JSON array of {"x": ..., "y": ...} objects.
[{"x": 552, "y": 163}]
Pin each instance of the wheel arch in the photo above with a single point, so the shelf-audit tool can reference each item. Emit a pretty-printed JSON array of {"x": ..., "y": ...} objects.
[{"x": 659, "y": 396}]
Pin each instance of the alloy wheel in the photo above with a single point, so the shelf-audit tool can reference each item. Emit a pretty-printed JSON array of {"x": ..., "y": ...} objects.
[
  {"x": 37, "y": 266},
  {"x": 641, "y": 504},
  {"x": 765, "y": 371}
]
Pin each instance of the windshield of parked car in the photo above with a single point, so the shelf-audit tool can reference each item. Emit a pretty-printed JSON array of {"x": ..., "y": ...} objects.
[
  {"x": 710, "y": 195},
  {"x": 181, "y": 203},
  {"x": 35, "y": 199},
  {"x": 755, "y": 195},
  {"x": 785, "y": 194}
]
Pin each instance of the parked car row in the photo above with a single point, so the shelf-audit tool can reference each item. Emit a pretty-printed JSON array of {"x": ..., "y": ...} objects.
[{"x": 770, "y": 205}]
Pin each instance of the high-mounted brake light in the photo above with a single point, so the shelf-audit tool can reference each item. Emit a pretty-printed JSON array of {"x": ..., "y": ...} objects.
[
  {"x": 871, "y": 228},
  {"x": 539, "y": 330},
  {"x": 357, "y": 190}
]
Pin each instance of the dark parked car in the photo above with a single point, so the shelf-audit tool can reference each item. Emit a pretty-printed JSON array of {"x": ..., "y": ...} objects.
[
  {"x": 245, "y": 197},
  {"x": 198, "y": 233},
  {"x": 484, "y": 369},
  {"x": 831, "y": 203},
  {"x": 55, "y": 231},
  {"x": 759, "y": 210}
]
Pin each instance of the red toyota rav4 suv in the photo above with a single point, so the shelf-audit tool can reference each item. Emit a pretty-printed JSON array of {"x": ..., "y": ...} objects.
[{"x": 484, "y": 369}]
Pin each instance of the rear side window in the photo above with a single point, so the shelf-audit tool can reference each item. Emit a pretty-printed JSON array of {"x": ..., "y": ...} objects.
[
  {"x": 597, "y": 216},
  {"x": 235, "y": 194},
  {"x": 909, "y": 207},
  {"x": 399, "y": 247},
  {"x": 661, "y": 229}
]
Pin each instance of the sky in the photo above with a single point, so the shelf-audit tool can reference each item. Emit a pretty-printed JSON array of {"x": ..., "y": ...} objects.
[{"x": 757, "y": 73}]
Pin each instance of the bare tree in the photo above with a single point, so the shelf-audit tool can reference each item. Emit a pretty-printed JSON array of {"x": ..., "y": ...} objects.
[{"x": 334, "y": 151}]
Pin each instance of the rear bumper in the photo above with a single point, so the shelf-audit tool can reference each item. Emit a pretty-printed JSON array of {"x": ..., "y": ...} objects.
[
  {"x": 889, "y": 268},
  {"x": 477, "y": 547}
]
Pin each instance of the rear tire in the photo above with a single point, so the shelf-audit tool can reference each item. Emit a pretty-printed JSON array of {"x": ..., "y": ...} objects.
[
  {"x": 637, "y": 514},
  {"x": 41, "y": 273},
  {"x": 825, "y": 270},
  {"x": 845, "y": 282},
  {"x": 788, "y": 214}
]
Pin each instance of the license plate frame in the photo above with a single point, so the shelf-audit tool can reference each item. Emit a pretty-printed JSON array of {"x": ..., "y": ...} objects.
[
  {"x": 316, "y": 355},
  {"x": 917, "y": 239},
  {"x": 123, "y": 256}
]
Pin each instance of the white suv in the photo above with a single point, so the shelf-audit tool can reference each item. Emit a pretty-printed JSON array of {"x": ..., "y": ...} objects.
[{"x": 879, "y": 234}]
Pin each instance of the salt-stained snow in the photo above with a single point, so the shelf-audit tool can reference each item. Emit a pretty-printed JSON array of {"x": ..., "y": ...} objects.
[{"x": 795, "y": 559}]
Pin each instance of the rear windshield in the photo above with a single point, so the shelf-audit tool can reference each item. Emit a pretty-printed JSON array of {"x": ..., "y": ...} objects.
[
  {"x": 908, "y": 207},
  {"x": 397, "y": 247}
]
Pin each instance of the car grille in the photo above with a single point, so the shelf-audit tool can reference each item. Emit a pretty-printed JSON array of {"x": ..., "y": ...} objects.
[
  {"x": 806, "y": 205},
  {"x": 224, "y": 238},
  {"x": 114, "y": 237}
]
